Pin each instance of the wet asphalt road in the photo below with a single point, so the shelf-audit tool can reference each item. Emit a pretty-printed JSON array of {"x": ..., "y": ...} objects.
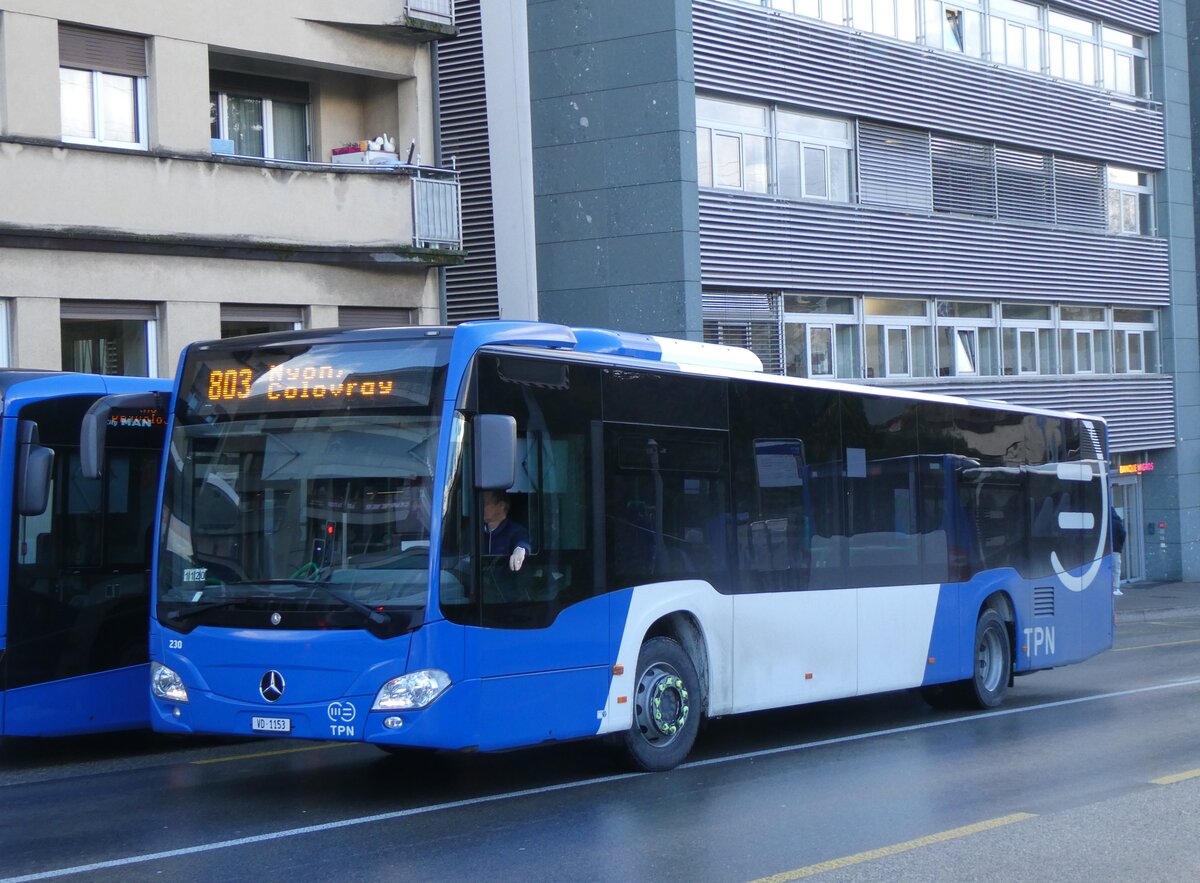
[{"x": 1059, "y": 784}]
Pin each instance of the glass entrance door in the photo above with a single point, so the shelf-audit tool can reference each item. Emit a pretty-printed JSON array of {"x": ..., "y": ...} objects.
[{"x": 1127, "y": 500}]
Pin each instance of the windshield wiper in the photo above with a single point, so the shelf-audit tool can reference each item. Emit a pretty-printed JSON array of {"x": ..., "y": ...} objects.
[
  {"x": 375, "y": 617},
  {"x": 178, "y": 615}
]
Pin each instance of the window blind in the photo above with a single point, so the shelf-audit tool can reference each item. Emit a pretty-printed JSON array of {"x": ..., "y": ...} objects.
[{"x": 105, "y": 51}]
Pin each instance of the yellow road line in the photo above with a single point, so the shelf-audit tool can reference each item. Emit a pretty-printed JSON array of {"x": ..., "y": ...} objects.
[
  {"x": 320, "y": 747},
  {"x": 1178, "y": 777},
  {"x": 896, "y": 849},
  {"x": 1151, "y": 646}
]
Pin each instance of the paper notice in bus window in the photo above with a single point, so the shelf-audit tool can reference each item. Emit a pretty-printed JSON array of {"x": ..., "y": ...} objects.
[
  {"x": 780, "y": 462},
  {"x": 856, "y": 462}
]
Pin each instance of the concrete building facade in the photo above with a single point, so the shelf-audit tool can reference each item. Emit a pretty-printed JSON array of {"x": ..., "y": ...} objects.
[{"x": 172, "y": 173}]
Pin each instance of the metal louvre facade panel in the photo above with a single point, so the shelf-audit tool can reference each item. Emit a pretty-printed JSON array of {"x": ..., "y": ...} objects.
[
  {"x": 755, "y": 53},
  {"x": 471, "y": 287},
  {"x": 780, "y": 245},
  {"x": 1139, "y": 408},
  {"x": 753, "y": 321},
  {"x": 1140, "y": 14},
  {"x": 894, "y": 167}
]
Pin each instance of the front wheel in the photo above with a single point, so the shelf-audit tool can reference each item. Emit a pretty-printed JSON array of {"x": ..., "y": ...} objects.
[
  {"x": 666, "y": 707},
  {"x": 993, "y": 661}
]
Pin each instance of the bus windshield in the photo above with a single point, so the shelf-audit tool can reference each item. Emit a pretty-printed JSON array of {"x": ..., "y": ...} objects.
[{"x": 293, "y": 502}]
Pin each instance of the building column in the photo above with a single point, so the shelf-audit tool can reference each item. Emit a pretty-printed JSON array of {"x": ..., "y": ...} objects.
[
  {"x": 181, "y": 323},
  {"x": 36, "y": 333},
  {"x": 29, "y": 90}
]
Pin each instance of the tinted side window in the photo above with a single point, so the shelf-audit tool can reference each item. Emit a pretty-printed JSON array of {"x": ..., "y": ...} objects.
[
  {"x": 667, "y": 505},
  {"x": 663, "y": 399},
  {"x": 883, "y": 492},
  {"x": 787, "y": 485}
]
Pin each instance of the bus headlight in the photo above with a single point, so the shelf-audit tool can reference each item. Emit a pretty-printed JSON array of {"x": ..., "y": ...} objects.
[
  {"x": 414, "y": 690},
  {"x": 165, "y": 684}
]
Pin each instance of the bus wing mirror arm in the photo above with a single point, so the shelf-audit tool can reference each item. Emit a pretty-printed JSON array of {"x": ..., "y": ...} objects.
[
  {"x": 495, "y": 451},
  {"x": 95, "y": 425},
  {"x": 34, "y": 465}
]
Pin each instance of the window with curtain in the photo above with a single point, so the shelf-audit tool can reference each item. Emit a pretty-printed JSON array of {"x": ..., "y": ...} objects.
[{"x": 262, "y": 116}]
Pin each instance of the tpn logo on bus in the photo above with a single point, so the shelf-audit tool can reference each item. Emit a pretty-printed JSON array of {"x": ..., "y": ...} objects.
[
  {"x": 1135, "y": 468},
  {"x": 342, "y": 714}
]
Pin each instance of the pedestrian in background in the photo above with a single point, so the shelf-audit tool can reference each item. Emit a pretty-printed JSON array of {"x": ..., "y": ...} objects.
[{"x": 1118, "y": 543}]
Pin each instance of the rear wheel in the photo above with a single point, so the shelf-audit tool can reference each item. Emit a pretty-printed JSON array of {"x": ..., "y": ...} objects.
[
  {"x": 666, "y": 707},
  {"x": 993, "y": 661}
]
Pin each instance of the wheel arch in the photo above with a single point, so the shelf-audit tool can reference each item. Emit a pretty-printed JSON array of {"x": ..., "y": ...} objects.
[
  {"x": 1001, "y": 602},
  {"x": 684, "y": 628}
]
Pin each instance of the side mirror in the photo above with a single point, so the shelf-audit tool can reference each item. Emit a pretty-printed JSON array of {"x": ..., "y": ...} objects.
[
  {"x": 34, "y": 465},
  {"x": 495, "y": 452},
  {"x": 95, "y": 425}
]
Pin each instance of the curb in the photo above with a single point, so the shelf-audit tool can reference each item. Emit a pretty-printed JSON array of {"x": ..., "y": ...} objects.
[{"x": 1151, "y": 614}]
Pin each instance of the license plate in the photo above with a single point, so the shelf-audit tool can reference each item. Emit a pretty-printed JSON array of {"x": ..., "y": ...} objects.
[{"x": 270, "y": 725}]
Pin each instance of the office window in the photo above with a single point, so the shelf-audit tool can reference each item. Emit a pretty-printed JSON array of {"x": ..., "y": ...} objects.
[
  {"x": 1027, "y": 339},
  {"x": 891, "y": 18},
  {"x": 731, "y": 145},
  {"x": 1130, "y": 202},
  {"x": 102, "y": 87},
  {"x": 821, "y": 336},
  {"x": 831, "y": 11},
  {"x": 109, "y": 338},
  {"x": 261, "y": 116},
  {"x": 1125, "y": 66},
  {"x": 966, "y": 339},
  {"x": 816, "y": 156},
  {"x": 1015, "y": 32},
  {"x": 1135, "y": 341},
  {"x": 955, "y": 26},
  {"x": 1072, "y": 47},
  {"x": 898, "y": 338},
  {"x": 1083, "y": 340}
]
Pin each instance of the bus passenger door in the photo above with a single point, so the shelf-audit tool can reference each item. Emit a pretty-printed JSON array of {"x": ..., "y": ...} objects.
[{"x": 542, "y": 648}]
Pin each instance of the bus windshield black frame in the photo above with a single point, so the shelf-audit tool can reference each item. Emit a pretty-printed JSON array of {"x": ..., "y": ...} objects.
[{"x": 299, "y": 486}]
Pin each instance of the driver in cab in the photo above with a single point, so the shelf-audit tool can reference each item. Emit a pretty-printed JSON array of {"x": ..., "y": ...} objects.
[{"x": 502, "y": 535}]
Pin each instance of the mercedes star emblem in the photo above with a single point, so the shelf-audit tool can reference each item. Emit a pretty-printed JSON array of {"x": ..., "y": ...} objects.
[
  {"x": 271, "y": 686},
  {"x": 276, "y": 619}
]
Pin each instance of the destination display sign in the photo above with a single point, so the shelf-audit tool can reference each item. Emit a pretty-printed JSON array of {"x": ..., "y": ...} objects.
[{"x": 322, "y": 377}]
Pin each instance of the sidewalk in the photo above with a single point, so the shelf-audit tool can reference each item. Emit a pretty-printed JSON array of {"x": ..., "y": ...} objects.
[{"x": 1148, "y": 601}]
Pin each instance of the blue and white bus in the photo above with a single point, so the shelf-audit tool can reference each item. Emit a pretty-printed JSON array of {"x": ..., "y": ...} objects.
[
  {"x": 75, "y": 556},
  {"x": 703, "y": 539}
]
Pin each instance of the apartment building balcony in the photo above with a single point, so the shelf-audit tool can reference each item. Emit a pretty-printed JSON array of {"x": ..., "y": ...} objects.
[
  {"x": 97, "y": 199},
  {"x": 421, "y": 20}
]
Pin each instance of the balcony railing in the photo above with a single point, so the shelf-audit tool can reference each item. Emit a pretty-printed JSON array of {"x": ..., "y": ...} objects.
[
  {"x": 440, "y": 11},
  {"x": 437, "y": 214}
]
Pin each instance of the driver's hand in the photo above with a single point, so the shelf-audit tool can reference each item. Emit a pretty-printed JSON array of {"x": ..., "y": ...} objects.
[{"x": 517, "y": 558}]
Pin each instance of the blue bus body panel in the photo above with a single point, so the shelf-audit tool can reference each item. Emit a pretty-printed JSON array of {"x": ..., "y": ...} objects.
[
  {"x": 1067, "y": 626},
  {"x": 96, "y": 703}
]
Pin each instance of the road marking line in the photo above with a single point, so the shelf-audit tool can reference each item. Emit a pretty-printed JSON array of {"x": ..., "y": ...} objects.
[
  {"x": 896, "y": 849},
  {"x": 570, "y": 786},
  {"x": 1178, "y": 777},
  {"x": 1152, "y": 646},
  {"x": 321, "y": 747}
]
